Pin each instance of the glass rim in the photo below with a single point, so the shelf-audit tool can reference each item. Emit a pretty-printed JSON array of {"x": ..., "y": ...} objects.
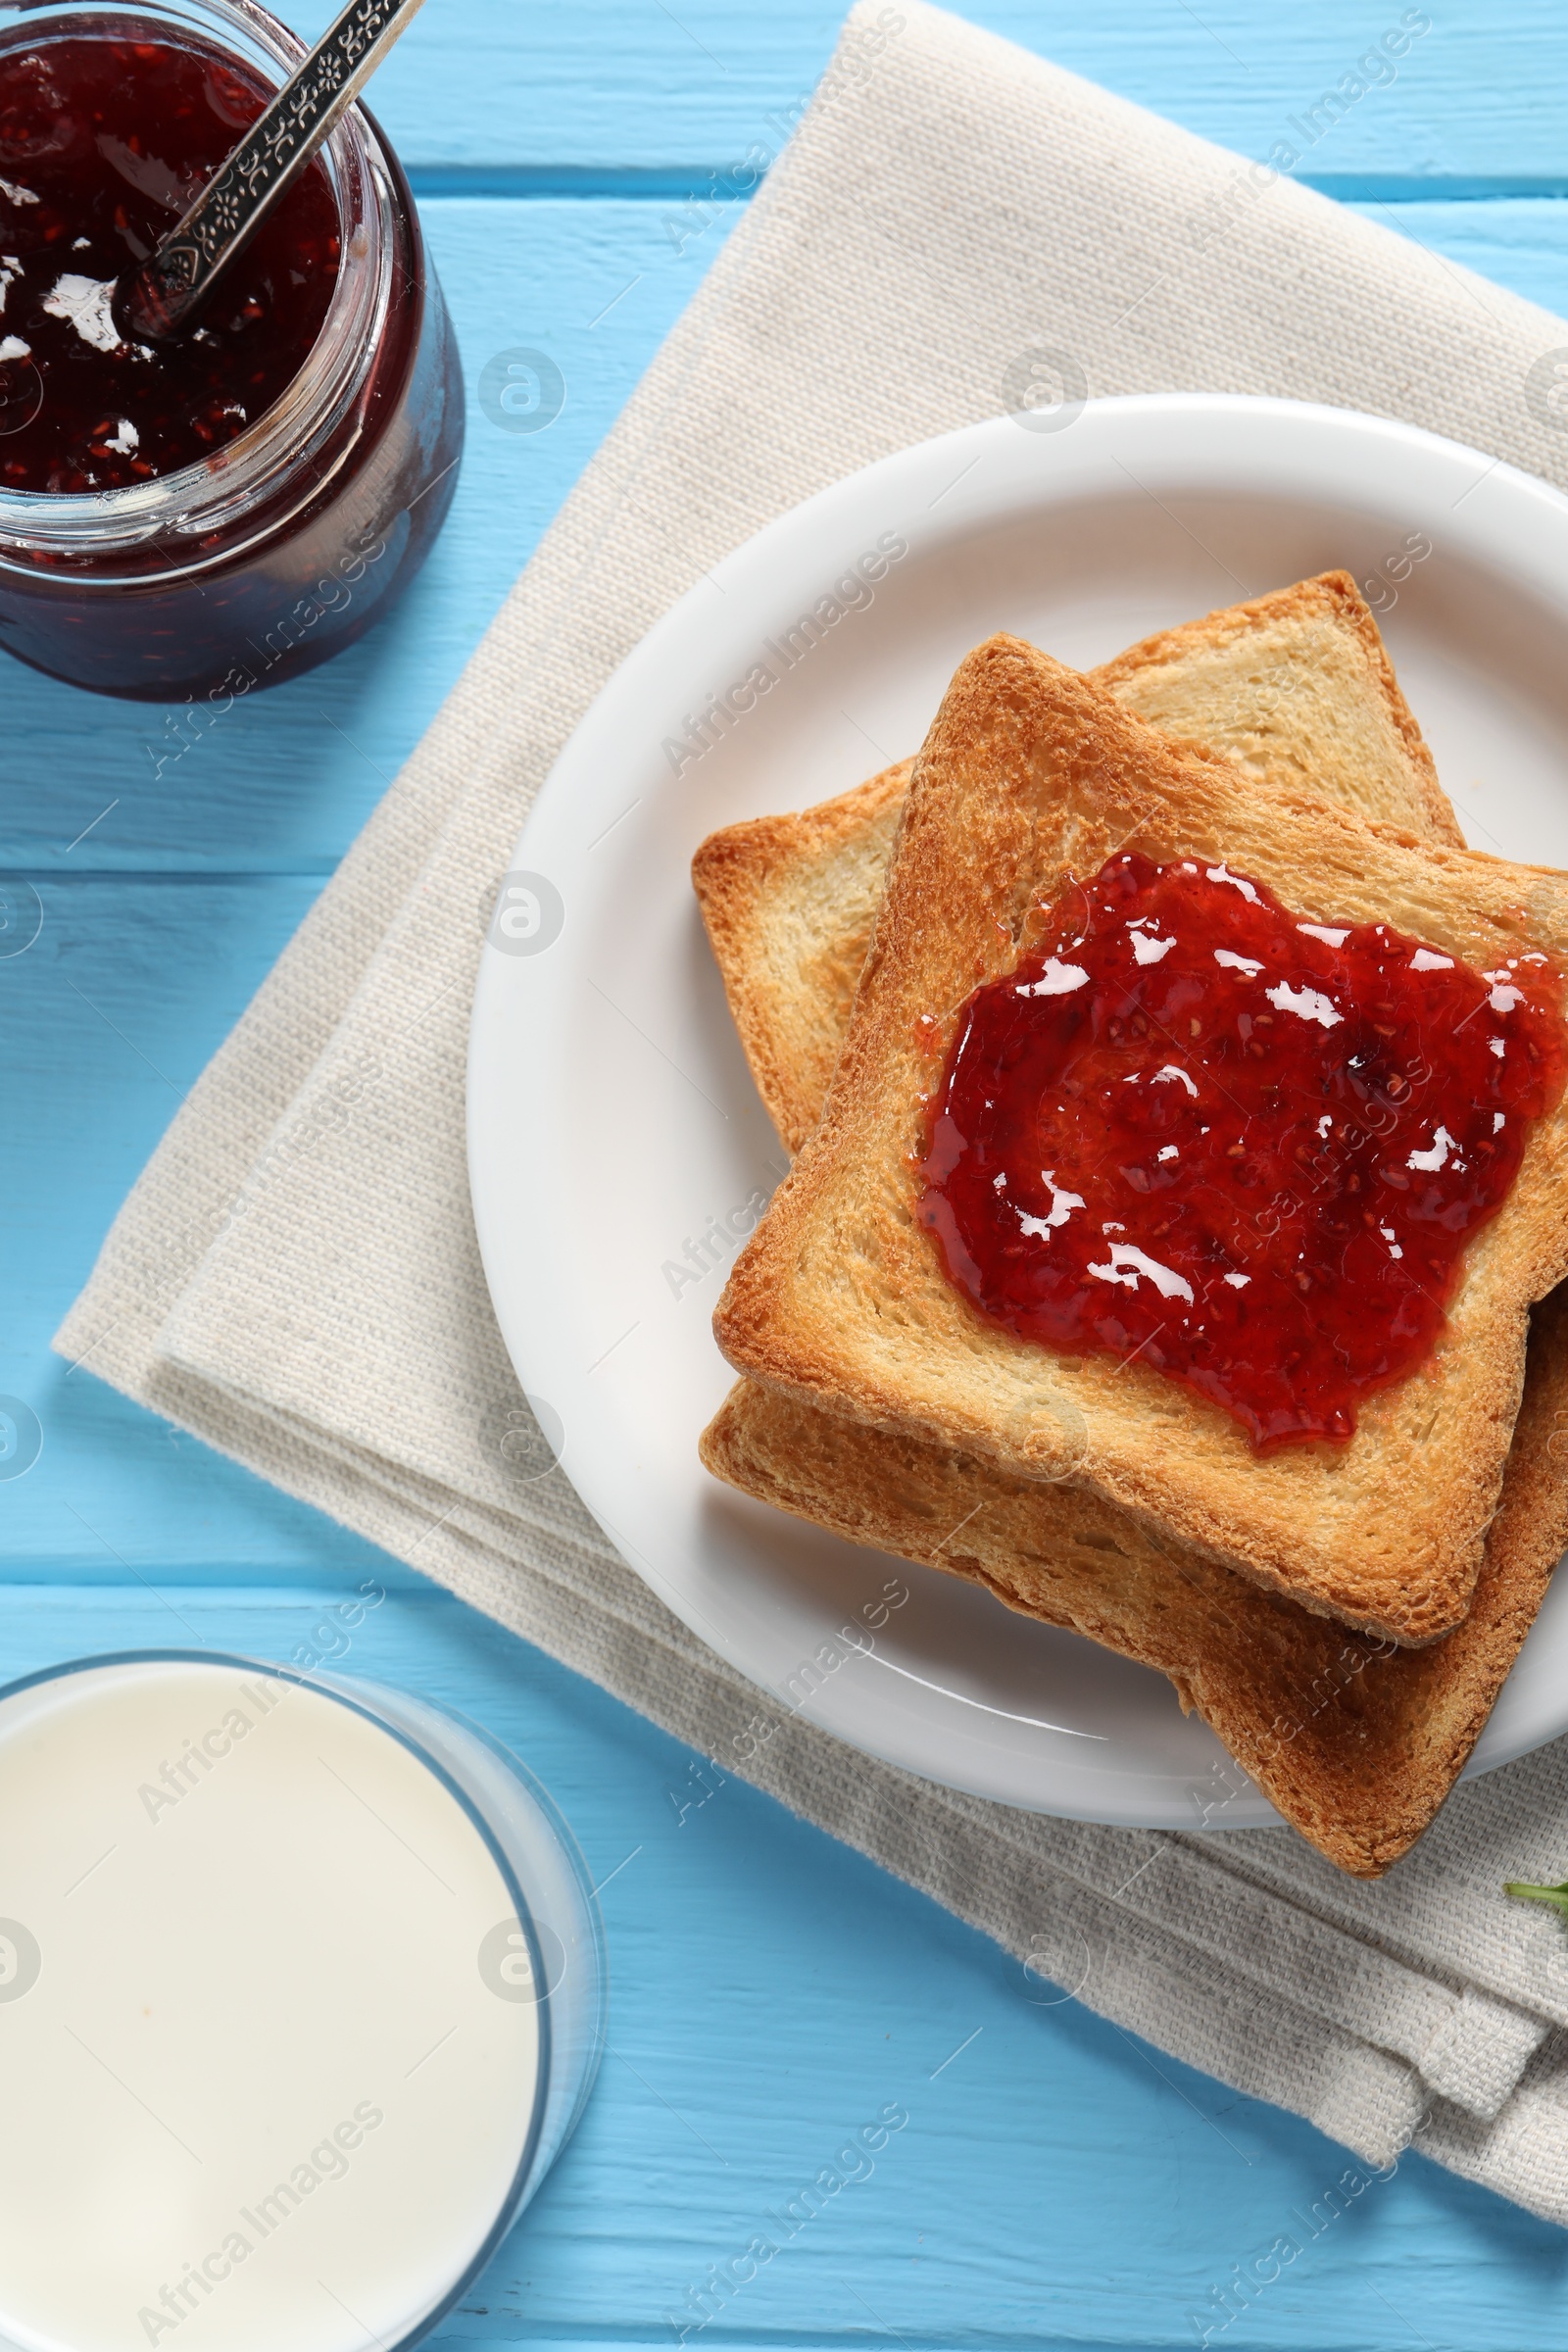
[
  {"x": 216, "y": 491},
  {"x": 345, "y": 1691}
]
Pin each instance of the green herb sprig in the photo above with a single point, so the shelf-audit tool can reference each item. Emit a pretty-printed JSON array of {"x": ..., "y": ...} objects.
[{"x": 1558, "y": 1896}]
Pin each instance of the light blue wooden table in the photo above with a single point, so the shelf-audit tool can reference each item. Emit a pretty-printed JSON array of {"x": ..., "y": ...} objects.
[{"x": 1056, "y": 2183}]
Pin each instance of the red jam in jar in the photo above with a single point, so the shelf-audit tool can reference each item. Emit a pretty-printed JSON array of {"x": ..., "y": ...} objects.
[
  {"x": 103, "y": 146},
  {"x": 214, "y": 515},
  {"x": 1246, "y": 1149}
]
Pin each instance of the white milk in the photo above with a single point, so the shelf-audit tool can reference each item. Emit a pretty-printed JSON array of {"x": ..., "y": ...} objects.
[{"x": 269, "y": 2063}]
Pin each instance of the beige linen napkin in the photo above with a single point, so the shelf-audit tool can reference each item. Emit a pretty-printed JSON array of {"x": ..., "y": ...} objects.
[{"x": 295, "y": 1278}]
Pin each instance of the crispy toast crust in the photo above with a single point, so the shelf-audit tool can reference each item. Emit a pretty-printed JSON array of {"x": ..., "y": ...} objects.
[
  {"x": 1357, "y": 1744},
  {"x": 1295, "y": 687},
  {"x": 789, "y": 902},
  {"x": 1031, "y": 775}
]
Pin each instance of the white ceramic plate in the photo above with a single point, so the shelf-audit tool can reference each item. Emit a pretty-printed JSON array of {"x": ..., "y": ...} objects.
[{"x": 611, "y": 1117}]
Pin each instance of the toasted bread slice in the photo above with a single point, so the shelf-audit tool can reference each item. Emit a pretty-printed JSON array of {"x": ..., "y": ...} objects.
[
  {"x": 1295, "y": 687},
  {"x": 1358, "y": 1745},
  {"x": 1031, "y": 773},
  {"x": 789, "y": 902},
  {"x": 1363, "y": 1762}
]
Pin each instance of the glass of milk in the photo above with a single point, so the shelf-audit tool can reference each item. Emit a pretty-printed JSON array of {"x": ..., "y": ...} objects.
[{"x": 301, "y": 1993}]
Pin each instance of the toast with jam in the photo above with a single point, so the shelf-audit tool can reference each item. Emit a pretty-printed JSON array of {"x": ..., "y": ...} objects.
[{"x": 1050, "y": 842}]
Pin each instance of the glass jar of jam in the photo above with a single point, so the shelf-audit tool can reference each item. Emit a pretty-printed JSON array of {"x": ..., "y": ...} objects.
[{"x": 218, "y": 513}]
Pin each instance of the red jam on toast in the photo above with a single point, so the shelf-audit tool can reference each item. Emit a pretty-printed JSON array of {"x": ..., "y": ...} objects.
[{"x": 1243, "y": 1148}]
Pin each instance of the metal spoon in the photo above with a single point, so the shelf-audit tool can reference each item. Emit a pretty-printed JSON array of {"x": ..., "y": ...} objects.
[{"x": 156, "y": 303}]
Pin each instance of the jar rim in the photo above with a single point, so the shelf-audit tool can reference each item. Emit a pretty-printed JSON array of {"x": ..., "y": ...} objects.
[{"x": 185, "y": 507}]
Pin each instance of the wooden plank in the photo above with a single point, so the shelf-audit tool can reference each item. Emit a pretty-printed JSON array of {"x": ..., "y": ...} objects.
[
  {"x": 105, "y": 1021},
  {"x": 284, "y": 781},
  {"x": 635, "y": 84},
  {"x": 1521, "y": 243}
]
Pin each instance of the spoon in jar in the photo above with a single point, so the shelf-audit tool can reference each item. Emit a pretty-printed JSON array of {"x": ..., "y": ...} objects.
[{"x": 156, "y": 303}]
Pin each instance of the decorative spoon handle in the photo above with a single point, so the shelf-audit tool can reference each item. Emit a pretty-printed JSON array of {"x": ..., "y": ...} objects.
[{"x": 156, "y": 303}]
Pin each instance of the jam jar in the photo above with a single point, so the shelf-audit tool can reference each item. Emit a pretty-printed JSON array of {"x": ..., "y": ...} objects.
[{"x": 218, "y": 515}]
